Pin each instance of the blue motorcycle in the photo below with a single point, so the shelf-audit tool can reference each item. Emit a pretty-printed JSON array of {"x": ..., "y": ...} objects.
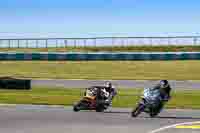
[{"x": 151, "y": 103}]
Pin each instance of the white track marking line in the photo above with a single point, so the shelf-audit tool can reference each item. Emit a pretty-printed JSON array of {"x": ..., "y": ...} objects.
[{"x": 172, "y": 126}]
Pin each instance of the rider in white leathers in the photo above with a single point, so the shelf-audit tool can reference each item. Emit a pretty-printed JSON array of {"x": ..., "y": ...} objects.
[{"x": 112, "y": 92}]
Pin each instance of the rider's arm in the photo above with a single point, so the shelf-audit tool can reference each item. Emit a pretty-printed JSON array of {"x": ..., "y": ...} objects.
[
  {"x": 157, "y": 87},
  {"x": 169, "y": 90},
  {"x": 114, "y": 92},
  {"x": 167, "y": 96}
]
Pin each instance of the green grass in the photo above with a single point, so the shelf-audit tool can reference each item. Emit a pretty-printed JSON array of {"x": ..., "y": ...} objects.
[
  {"x": 107, "y": 48},
  {"x": 140, "y": 70},
  {"x": 61, "y": 96},
  {"x": 40, "y": 96}
]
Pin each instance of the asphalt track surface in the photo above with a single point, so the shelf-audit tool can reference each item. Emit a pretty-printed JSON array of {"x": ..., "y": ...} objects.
[
  {"x": 45, "y": 119},
  {"x": 186, "y": 84}
]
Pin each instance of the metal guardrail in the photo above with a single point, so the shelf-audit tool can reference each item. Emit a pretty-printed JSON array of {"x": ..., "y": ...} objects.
[{"x": 98, "y": 41}]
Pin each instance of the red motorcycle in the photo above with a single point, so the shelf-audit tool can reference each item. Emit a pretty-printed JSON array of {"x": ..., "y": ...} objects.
[{"x": 94, "y": 99}]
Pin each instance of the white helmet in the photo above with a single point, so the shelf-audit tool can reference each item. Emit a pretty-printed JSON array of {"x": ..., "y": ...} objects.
[{"x": 108, "y": 84}]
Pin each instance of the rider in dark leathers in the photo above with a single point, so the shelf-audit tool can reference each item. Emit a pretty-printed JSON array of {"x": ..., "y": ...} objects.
[{"x": 165, "y": 90}]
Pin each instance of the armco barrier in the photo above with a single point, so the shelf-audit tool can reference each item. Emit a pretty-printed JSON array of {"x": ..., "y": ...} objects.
[
  {"x": 102, "y": 56},
  {"x": 17, "y": 84}
]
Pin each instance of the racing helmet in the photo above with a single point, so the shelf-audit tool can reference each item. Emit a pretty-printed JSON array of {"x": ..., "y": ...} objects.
[
  {"x": 108, "y": 84},
  {"x": 164, "y": 84}
]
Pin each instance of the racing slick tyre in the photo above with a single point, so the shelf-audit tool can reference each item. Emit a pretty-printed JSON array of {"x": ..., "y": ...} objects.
[
  {"x": 155, "y": 111},
  {"x": 153, "y": 114},
  {"x": 79, "y": 106},
  {"x": 137, "y": 110},
  {"x": 99, "y": 110},
  {"x": 100, "y": 107},
  {"x": 76, "y": 108}
]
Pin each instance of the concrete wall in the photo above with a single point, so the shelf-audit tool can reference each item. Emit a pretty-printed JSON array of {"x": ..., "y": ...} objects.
[{"x": 102, "y": 56}]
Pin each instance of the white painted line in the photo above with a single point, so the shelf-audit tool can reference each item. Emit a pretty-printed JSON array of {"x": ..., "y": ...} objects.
[{"x": 173, "y": 126}]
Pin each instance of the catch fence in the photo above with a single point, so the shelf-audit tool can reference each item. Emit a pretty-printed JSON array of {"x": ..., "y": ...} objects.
[{"x": 99, "y": 42}]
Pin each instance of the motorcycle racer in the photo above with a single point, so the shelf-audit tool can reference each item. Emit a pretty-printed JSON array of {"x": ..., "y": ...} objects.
[
  {"x": 164, "y": 88},
  {"x": 153, "y": 99},
  {"x": 112, "y": 92},
  {"x": 109, "y": 91}
]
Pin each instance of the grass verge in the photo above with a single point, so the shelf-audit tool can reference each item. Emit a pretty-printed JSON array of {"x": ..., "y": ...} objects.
[
  {"x": 107, "y": 48},
  {"x": 140, "y": 70},
  {"x": 61, "y": 96}
]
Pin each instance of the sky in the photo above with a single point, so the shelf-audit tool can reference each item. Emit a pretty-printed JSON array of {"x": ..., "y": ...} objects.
[{"x": 92, "y": 18}]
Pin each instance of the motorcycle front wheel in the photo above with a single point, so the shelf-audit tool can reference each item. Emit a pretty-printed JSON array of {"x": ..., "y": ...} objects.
[
  {"x": 137, "y": 110},
  {"x": 80, "y": 106}
]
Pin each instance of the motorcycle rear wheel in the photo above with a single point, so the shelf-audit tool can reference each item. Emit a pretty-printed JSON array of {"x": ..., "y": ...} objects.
[
  {"x": 152, "y": 114},
  {"x": 100, "y": 108},
  {"x": 76, "y": 108}
]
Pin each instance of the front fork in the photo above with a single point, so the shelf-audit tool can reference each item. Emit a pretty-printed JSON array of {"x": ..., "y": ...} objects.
[
  {"x": 143, "y": 102},
  {"x": 147, "y": 108}
]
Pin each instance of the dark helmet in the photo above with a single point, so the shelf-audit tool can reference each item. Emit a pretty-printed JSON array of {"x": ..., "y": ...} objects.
[
  {"x": 108, "y": 84},
  {"x": 164, "y": 84}
]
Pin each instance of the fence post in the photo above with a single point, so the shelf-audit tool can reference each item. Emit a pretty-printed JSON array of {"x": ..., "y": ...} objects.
[
  {"x": 18, "y": 43},
  {"x": 37, "y": 43},
  {"x": 26, "y": 43},
  {"x": 56, "y": 43},
  {"x": 194, "y": 40},
  {"x": 75, "y": 43},
  {"x": 46, "y": 43},
  {"x": 9, "y": 43},
  {"x": 85, "y": 42},
  {"x": 66, "y": 43},
  {"x": 95, "y": 43},
  {"x": 1, "y": 42}
]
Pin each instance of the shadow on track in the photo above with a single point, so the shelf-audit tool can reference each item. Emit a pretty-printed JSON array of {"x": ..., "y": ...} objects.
[{"x": 117, "y": 112}]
